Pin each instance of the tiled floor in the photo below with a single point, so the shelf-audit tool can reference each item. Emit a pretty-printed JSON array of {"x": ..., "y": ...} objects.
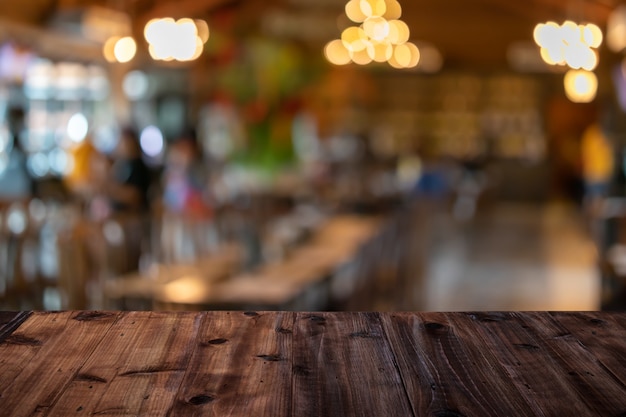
[{"x": 513, "y": 257}]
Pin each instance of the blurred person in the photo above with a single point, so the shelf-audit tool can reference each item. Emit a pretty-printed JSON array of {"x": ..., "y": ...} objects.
[
  {"x": 130, "y": 178},
  {"x": 82, "y": 177},
  {"x": 597, "y": 159},
  {"x": 15, "y": 182},
  {"x": 597, "y": 167},
  {"x": 185, "y": 178},
  {"x": 121, "y": 205},
  {"x": 186, "y": 231}
]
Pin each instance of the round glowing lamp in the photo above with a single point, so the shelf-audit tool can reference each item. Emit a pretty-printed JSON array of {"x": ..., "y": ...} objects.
[
  {"x": 580, "y": 86},
  {"x": 394, "y": 10},
  {"x": 398, "y": 32},
  {"x": 125, "y": 49},
  {"x": 336, "y": 53},
  {"x": 372, "y": 8},
  {"x": 354, "y": 39},
  {"x": 353, "y": 11}
]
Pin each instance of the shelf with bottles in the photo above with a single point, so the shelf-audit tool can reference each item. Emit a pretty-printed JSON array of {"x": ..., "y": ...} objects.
[{"x": 464, "y": 114}]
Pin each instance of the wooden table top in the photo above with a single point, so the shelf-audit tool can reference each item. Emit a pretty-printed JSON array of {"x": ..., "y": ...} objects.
[
  {"x": 235, "y": 363},
  {"x": 272, "y": 285}
]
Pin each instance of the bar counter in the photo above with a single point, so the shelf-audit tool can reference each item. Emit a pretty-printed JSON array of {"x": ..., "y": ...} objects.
[{"x": 246, "y": 363}]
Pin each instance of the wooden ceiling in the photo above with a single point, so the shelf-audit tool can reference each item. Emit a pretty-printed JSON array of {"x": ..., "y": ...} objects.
[{"x": 470, "y": 33}]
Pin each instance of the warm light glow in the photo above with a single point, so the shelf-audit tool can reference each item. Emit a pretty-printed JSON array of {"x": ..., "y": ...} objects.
[
  {"x": 415, "y": 55},
  {"x": 580, "y": 86},
  {"x": 592, "y": 35},
  {"x": 398, "y": 32},
  {"x": 402, "y": 55},
  {"x": 381, "y": 29},
  {"x": 616, "y": 29},
  {"x": 125, "y": 49},
  {"x": 373, "y": 8},
  {"x": 199, "y": 48},
  {"x": 376, "y": 28},
  {"x": 569, "y": 44},
  {"x": 182, "y": 40},
  {"x": 203, "y": 30},
  {"x": 570, "y": 32},
  {"x": 354, "y": 39},
  {"x": 380, "y": 52},
  {"x": 187, "y": 289},
  {"x": 547, "y": 57},
  {"x": 360, "y": 57},
  {"x": 394, "y": 10},
  {"x": 151, "y": 30},
  {"x": 108, "y": 49},
  {"x": 393, "y": 63},
  {"x": 577, "y": 55},
  {"x": 336, "y": 53},
  {"x": 548, "y": 34},
  {"x": 353, "y": 11}
]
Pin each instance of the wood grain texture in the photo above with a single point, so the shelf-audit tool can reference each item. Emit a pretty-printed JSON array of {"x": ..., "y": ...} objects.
[
  {"x": 447, "y": 371},
  {"x": 602, "y": 335},
  {"x": 136, "y": 370},
  {"x": 241, "y": 366},
  {"x": 46, "y": 353},
  {"x": 593, "y": 384},
  {"x": 343, "y": 366},
  {"x": 313, "y": 364}
]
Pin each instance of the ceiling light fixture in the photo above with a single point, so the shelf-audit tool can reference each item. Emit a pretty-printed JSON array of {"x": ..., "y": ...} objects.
[{"x": 380, "y": 37}]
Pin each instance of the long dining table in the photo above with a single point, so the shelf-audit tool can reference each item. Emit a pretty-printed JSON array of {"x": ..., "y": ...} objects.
[{"x": 274, "y": 363}]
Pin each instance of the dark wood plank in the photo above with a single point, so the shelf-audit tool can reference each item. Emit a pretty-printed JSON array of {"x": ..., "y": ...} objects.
[
  {"x": 343, "y": 366},
  {"x": 136, "y": 369},
  {"x": 535, "y": 364},
  {"x": 10, "y": 321},
  {"x": 602, "y": 336},
  {"x": 44, "y": 355},
  {"x": 594, "y": 384},
  {"x": 241, "y": 367},
  {"x": 446, "y": 371}
]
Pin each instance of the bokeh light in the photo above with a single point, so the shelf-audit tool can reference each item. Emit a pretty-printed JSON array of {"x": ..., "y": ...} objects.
[
  {"x": 181, "y": 40},
  {"x": 38, "y": 165},
  {"x": 77, "y": 127},
  {"x": 108, "y": 50},
  {"x": 203, "y": 30},
  {"x": 376, "y": 28},
  {"x": 380, "y": 52},
  {"x": 336, "y": 53},
  {"x": 354, "y": 39},
  {"x": 399, "y": 32},
  {"x": 580, "y": 86},
  {"x": 353, "y": 11},
  {"x": 135, "y": 85},
  {"x": 60, "y": 162},
  {"x": 394, "y": 10},
  {"x": 151, "y": 141},
  {"x": 568, "y": 44},
  {"x": 616, "y": 29},
  {"x": 125, "y": 49},
  {"x": 376, "y": 38},
  {"x": 373, "y": 8}
]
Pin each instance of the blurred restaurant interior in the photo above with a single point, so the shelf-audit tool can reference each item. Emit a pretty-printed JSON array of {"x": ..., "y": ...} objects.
[{"x": 313, "y": 155}]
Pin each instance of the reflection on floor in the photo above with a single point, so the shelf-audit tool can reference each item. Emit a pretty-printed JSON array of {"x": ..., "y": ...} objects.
[{"x": 513, "y": 257}]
